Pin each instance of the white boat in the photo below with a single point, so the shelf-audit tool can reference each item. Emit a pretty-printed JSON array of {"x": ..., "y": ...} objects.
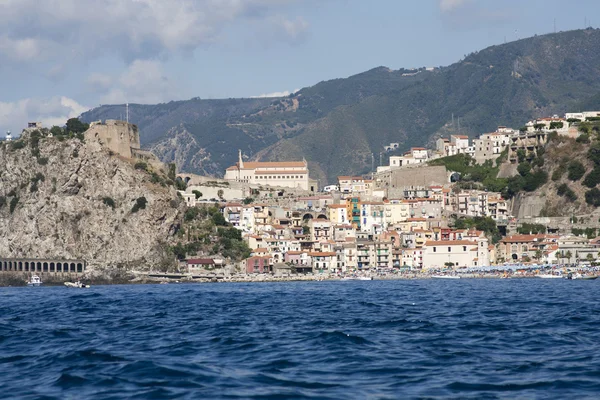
[
  {"x": 77, "y": 284},
  {"x": 445, "y": 277},
  {"x": 549, "y": 276},
  {"x": 34, "y": 281},
  {"x": 357, "y": 278}
]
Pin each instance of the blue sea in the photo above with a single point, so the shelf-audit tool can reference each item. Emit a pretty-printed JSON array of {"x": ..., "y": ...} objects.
[{"x": 467, "y": 339}]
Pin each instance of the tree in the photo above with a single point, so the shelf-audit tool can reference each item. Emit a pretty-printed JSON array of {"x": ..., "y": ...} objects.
[
  {"x": 521, "y": 153},
  {"x": 568, "y": 255},
  {"x": 593, "y": 178},
  {"x": 57, "y": 131},
  {"x": 74, "y": 125},
  {"x": 576, "y": 170},
  {"x": 197, "y": 194},
  {"x": 248, "y": 200},
  {"x": 592, "y": 197},
  {"x": 220, "y": 193},
  {"x": 524, "y": 169}
]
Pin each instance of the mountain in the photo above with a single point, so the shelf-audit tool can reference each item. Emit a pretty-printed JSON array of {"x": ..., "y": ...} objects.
[{"x": 340, "y": 126}]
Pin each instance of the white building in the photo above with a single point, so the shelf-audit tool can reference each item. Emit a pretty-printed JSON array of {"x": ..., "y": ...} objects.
[
  {"x": 293, "y": 174},
  {"x": 460, "y": 253}
]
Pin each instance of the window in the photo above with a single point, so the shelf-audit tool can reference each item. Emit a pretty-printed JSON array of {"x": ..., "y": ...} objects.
[
  {"x": 449, "y": 249},
  {"x": 464, "y": 248},
  {"x": 434, "y": 250}
]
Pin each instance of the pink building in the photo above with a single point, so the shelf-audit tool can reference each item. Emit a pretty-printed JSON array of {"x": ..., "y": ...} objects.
[{"x": 259, "y": 265}]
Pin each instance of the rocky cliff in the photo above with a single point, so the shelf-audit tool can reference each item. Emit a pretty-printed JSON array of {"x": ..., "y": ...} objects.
[{"x": 73, "y": 200}]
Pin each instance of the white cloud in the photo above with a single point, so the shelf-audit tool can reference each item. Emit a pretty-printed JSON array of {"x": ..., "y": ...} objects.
[
  {"x": 50, "y": 111},
  {"x": 144, "y": 81},
  {"x": 275, "y": 94},
  {"x": 133, "y": 29},
  {"x": 293, "y": 30},
  {"x": 449, "y": 5}
]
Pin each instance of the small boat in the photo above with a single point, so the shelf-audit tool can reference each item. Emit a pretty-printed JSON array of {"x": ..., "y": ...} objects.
[
  {"x": 34, "y": 281},
  {"x": 549, "y": 276},
  {"x": 581, "y": 276},
  {"x": 357, "y": 278},
  {"x": 445, "y": 277},
  {"x": 77, "y": 284}
]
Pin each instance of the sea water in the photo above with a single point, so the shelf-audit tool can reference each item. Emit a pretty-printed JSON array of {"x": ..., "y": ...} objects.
[{"x": 464, "y": 338}]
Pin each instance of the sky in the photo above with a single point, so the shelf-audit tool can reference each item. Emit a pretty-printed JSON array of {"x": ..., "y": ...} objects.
[{"x": 59, "y": 58}]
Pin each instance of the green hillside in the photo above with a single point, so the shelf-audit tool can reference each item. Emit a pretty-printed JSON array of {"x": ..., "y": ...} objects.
[{"x": 338, "y": 125}]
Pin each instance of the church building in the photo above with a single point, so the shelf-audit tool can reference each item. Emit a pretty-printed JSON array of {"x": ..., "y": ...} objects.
[{"x": 292, "y": 174}]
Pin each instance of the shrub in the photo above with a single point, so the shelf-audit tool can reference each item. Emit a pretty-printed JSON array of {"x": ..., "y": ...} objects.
[
  {"x": 17, "y": 145},
  {"x": 592, "y": 197},
  {"x": 42, "y": 160},
  {"x": 594, "y": 153},
  {"x": 576, "y": 170},
  {"x": 248, "y": 200},
  {"x": 140, "y": 204},
  {"x": 218, "y": 219},
  {"x": 558, "y": 173},
  {"x": 565, "y": 190},
  {"x": 197, "y": 194},
  {"x": 584, "y": 138},
  {"x": 141, "y": 165},
  {"x": 2, "y": 201},
  {"x": 109, "y": 202},
  {"x": 13, "y": 204},
  {"x": 524, "y": 169},
  {"x": 593, "y": 178},
  {"x": 191, "y": 214}
]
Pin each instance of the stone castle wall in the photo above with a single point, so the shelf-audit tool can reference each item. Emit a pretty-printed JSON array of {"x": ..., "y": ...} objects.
[
  {"x": 118, "y": 136},
  {"x": 395, "y": 180}
]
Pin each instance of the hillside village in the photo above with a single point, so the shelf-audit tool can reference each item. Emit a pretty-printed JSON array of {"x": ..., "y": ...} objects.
[
  {"x": 422, "y": 212},
  {"x": 408, "y": 215}
]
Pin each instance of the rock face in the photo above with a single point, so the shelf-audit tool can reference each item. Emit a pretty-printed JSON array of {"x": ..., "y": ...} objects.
[{"x": 74, "y": 200}]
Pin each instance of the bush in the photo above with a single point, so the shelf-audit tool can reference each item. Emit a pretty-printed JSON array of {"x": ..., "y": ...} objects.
[
  {"x": 576, "y": 170},
  {"x": 197, "y": 194},
  {"x": 141, "y": 166},
  {"x": 248, "y": 200},
  {"x": 109, "y": 202},
  {"x": 584, "y": 138},
  {"x": 140, "y": 204},
  {"x": 191, "y": 214},
  {"x": 218, "y": 219},
  {"x": 592, "y": 197},
  {"x": 559, "y": 172},
  {"x": 594, "y": 153},
  {"x": 13, "y": 204},
  {"x": 593, "y": 178},
  {"x": 526, "y": 228},
  {"x": 17, "y": 145},
  {"x": 42, "y": 160},
  {"x": 565, "y": 190},
  {"x": 524, "y": 169}
]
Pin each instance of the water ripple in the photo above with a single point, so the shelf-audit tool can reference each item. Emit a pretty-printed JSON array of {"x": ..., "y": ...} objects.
[{"x": 473, "y": 339}]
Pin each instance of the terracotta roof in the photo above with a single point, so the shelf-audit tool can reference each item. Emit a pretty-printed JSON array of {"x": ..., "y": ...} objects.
[
  {"x": 460, "y": 136},
  {"x": 281, "y": 164},
  {"x": 261, "y": 250}
]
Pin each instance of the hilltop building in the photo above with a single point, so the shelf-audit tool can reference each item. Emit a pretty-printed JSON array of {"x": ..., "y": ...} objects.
[
  {"x": 292, "y": 174},
  {"x": 121, "y": 138}
]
